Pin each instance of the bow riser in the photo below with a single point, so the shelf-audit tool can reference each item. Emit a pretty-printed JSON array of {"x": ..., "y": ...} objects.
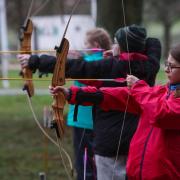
[
  {"x": 58, "y": 79},
  {"x": 58, "y": 107},
  {"x": 25, "y": 43}
]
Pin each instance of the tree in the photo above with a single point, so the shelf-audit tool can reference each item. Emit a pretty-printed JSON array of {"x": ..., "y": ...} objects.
[
  {"x": 20, "y": 8},
  {"x": 110, "y": 15},
  {"x": 167, "y": 12},
  {"x": 17, "y": 11}
]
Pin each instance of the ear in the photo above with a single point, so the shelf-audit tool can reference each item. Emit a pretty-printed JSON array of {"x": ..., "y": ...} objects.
[{"x": 116, "y": 50}]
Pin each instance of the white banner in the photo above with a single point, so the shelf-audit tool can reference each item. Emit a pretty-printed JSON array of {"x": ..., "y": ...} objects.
[{"x": 49, "y": 30}]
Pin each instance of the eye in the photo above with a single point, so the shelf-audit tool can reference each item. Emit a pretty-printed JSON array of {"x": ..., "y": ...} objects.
[{"x": 166, "y": 64}]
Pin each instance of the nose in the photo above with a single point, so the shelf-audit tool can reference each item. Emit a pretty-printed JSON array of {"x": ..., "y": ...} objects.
[{"x": 167, "y": 69}]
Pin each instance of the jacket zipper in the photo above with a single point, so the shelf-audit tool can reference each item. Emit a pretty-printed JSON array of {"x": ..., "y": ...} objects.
[{"x": 143, "y": 154}]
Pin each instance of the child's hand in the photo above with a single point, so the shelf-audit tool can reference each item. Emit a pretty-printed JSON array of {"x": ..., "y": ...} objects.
[
  {"x": 131, "y": 80},
  {"x": 116, "y": 50},
  {"x": 73, "y": 54},
  {"x": 55, "y": 90},
  {"x": 23, "y": 59},
  {"x": 108, "y": 53}
]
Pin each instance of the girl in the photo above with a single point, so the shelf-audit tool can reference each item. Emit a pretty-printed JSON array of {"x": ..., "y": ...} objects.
[{"x": 154, "y": 152}]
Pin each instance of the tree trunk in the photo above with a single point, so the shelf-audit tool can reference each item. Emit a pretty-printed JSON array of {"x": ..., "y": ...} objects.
[
  {"x": 167, "y": 38},
  {"x": 110, "y": 15},
  {"x": 19, "y": 6},
  {"x": 134, "y": 11}
]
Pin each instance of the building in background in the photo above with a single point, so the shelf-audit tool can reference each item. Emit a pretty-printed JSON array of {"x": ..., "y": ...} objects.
[{"x": 49, "y": 30}]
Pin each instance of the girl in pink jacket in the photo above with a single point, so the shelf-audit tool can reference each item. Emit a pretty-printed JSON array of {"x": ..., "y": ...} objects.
[{"x": 154, "y": 152}]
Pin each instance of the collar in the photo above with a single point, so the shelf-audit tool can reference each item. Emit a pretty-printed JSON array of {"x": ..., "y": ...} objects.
[
  {"x": 173, "y": 87},
  {"x": 132, "y": 56},
  {"x": 93, "y": 56}
]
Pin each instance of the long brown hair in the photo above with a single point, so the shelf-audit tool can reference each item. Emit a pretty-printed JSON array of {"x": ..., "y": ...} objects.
[{"x": 101, "y": 36}]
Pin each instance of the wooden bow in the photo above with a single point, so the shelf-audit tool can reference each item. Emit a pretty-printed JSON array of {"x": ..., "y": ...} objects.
[
  {"x": 25, "y": 46},
  {"x": 59, "y": 99},
  {"x": 58, "y": 79}
]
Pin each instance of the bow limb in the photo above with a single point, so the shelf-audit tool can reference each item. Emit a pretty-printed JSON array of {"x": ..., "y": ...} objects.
[
  {"x": 25, "y": 46},
  {"x": 58, "y": 79}
]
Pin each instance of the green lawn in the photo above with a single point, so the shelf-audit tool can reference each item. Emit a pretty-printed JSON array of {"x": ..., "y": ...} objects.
[
  {"x": 23, "y": 147},
  {"x": 25, "y": 152}
]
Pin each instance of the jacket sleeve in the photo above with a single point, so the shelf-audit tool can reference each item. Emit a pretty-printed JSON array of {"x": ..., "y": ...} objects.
[
  {"x": 44, "y": 63},
  {"x": 95, "y": 69},
  {"x": 75, "y": 68},
  {"x": 167, "y": 113},
  {"x": 118, "y": 82},
  {"x": 107, "y": 98},
  {"x": 120, "y": 99},
  {"x": 153, "y": 51},
  {"x": 107, "y": 68},
  {"x": 86, "y": 96}
]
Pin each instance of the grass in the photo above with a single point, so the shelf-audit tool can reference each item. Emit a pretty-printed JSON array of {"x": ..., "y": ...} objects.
[
  {"x": 23, "y": 147},
  {"x": 23, "y": 152}
]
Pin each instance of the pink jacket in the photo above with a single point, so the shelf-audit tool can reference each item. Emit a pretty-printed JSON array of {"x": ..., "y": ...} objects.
[{"x": 154, "y": 152}]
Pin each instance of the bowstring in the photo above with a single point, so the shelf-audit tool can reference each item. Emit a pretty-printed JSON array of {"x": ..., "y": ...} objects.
[
  {"x": 29, "y": 11},
  {"x": 127, "y": 102},
  {"x": 41, "y": 6},
  {"x": 72, "y": 12},
  {"x": 61, "y": 155},
  {"x": 45, "y": 133}
]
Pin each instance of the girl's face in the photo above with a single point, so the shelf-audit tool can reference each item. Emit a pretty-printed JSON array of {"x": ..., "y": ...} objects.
[
  {"x": 90, "y": 45},
  {"x": 172, "y": 69}
]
